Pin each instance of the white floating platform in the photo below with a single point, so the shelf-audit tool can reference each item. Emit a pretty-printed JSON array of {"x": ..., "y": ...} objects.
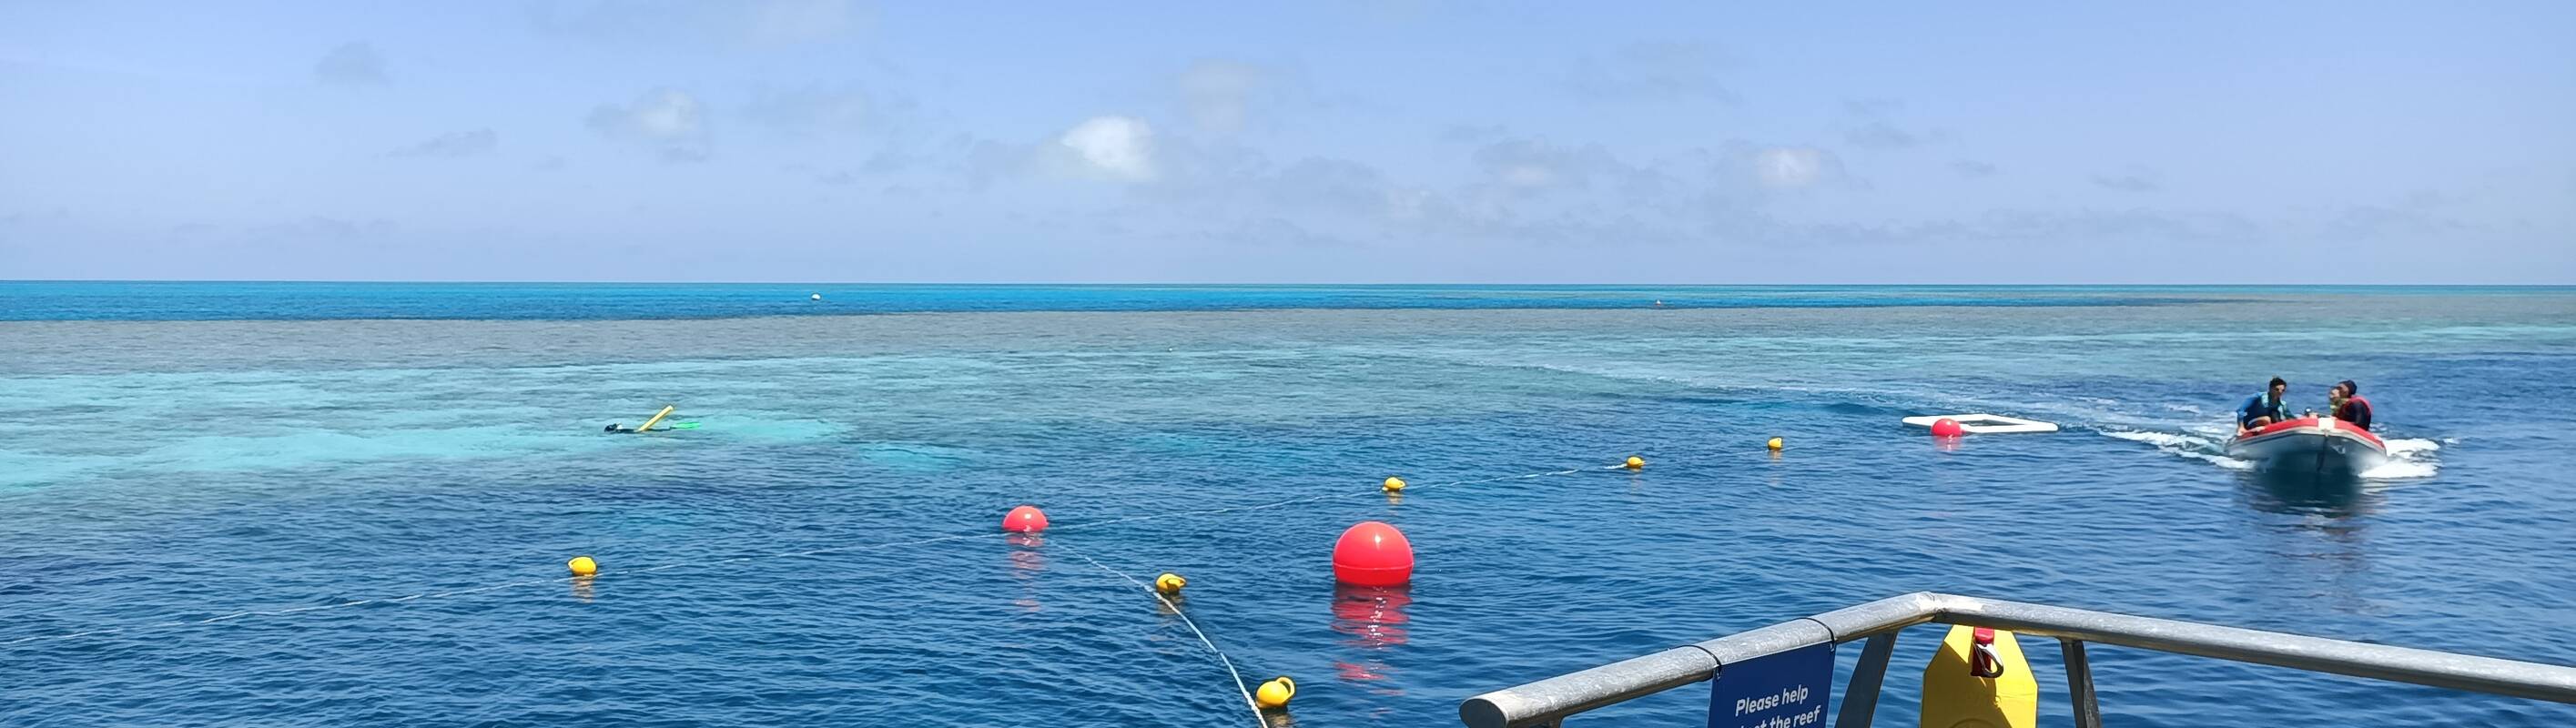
[{"x": 1985, "y": 424}]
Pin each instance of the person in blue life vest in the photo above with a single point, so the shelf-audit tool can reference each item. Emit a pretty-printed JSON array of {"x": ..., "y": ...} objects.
[{"x": 2263, "y": 409}]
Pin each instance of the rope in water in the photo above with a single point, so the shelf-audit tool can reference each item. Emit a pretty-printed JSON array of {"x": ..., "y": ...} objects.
[
  {"x": 250, "y": 613},
  {"x": 1221, "y": 657}
]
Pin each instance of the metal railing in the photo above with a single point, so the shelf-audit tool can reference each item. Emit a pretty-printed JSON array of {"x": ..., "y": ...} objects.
[{"x": 1548, "y": 702}]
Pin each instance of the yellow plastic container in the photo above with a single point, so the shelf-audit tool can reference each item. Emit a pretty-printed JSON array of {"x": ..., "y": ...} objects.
[{"x": 1960, "y": 694}]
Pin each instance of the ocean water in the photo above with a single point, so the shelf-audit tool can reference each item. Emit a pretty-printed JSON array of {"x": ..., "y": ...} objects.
[
  {"x": 349, "y": 504},
  {"x": 186, "y": 301}
]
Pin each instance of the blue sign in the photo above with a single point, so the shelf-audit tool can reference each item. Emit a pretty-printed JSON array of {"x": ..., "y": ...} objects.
[{"x": 1780, "y": 690}]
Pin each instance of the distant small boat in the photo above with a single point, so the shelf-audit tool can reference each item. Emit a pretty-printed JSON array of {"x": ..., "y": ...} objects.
[
  {"x": 2310, "y": 444},
  {"x": 818, "y": 296}
]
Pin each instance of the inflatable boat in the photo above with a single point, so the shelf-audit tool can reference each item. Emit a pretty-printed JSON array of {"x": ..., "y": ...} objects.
[{"x": 2310, "y": 444}]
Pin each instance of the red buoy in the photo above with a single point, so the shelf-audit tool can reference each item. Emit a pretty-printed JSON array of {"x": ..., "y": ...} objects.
[
  {"x": 1373, "y": 554},
  {"x": 1947, "y": 427},
  {"x": 1024, "y": 519}
]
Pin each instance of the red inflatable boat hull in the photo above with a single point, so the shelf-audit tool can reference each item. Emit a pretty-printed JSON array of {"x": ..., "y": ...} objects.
[{"x": 2320, "y": 444}]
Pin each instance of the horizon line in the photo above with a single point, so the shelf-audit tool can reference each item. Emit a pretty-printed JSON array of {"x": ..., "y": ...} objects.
[{"x": 1242, "y": 284}]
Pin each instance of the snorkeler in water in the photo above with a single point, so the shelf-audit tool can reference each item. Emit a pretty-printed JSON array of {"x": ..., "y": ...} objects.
[
  {"x": 649, "y": 424},
  {"x": 615, "y": 427}
]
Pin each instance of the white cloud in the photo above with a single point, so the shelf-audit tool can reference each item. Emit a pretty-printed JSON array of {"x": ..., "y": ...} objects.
[
  {"x": 325, "y": 228},
  {"x": 673, "y": 114},
  {"x": 669, "y": 120},
  {"x": 1666, "y": 71},
  {"x": 1972, "y": 168},
  {"x": 1117, "y": 147},
  {"x": 1794, "y": 167},
  {"x": 1527, "y": 164},
  {"x": 1408, "y": 203},
  {"x": 789, "y": 22},
  {"x": 1874, "y": 126},
  {"x": 812, "y": 111},
  {"x": 1882, "y": 135},
  {"x": 1218, "y": 93},
  {"x": 453, "y": 145},
  {"x": 2134, "y": 179},
  {"x": 1530, "y": 166},
  {"x": 1527, "y": 175},
  {"x": 353, "y": 64},
  {"x": 758, "y": 23},
  {"x": 1473, "y": 132}
]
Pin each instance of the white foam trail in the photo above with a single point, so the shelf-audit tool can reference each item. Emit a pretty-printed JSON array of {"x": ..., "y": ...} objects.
[
  {"x": 2411, "y": 447},
  {"x": 2190, "y": 446},
  {"x": 2401, "y": 470},
  {"x": 2159, "y": 439},
  {"x": 2408, "y": 459}
]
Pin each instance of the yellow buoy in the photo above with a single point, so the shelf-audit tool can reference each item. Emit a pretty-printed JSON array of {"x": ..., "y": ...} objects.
[
  {"x": 582, "y": 566},
  {"x": 1393, "y": 484},
  {"x": 1773, "y": 444},
  {"x": 1636, "y": 463},
  {"x": 1275, "y": 694},
  {"x": 1961, "y": 690},
  {"x": 1170, "y": 583}
]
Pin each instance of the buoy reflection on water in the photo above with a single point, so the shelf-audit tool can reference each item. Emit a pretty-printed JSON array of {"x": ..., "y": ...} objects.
[
  {"x": 1373, "y": 616},
  {"x": 1373, "y": 619},
  {"x": 1027, "y": 562},
  {"x": 584, "y": 570},
  {"x": 1026, "y": 557}
]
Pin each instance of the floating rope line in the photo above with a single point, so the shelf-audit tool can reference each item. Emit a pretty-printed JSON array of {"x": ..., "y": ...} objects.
[
  {"x": 1239, "y": 686},
  {"x": 244, "y": 614}
]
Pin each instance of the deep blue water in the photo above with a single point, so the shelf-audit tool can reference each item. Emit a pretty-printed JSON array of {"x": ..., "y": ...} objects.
[{"x": 269, "y": 448}]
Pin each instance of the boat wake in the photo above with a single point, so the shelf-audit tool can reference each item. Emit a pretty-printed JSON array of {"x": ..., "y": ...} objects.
[
  {"x": 2408, "y": 459},
  {"x": 2205, "y": 448}
]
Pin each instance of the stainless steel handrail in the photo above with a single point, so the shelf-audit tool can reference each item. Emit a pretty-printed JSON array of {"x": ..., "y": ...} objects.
[{"x": 1547, "y": 702}]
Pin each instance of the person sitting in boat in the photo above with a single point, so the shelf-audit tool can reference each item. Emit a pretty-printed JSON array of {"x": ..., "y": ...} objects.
[
  {"x": 2349, "y": 405},
  {"x": 2265, "y": 408}
]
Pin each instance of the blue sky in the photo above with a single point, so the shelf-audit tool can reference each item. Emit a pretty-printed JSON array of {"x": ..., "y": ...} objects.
[{"x": 1399, "y": 141}]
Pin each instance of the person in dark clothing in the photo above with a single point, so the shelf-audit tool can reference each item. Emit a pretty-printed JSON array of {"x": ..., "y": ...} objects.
[
  {"x": 2265, "y": 408},
  {"x": 619, "y": 428},
  {"x": 2349, "y": 405}
]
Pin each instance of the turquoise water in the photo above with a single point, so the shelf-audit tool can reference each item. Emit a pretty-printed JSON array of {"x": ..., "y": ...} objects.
[
  {"x": 289, "y": 301},
  {"x": 777, "y": 565}
]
